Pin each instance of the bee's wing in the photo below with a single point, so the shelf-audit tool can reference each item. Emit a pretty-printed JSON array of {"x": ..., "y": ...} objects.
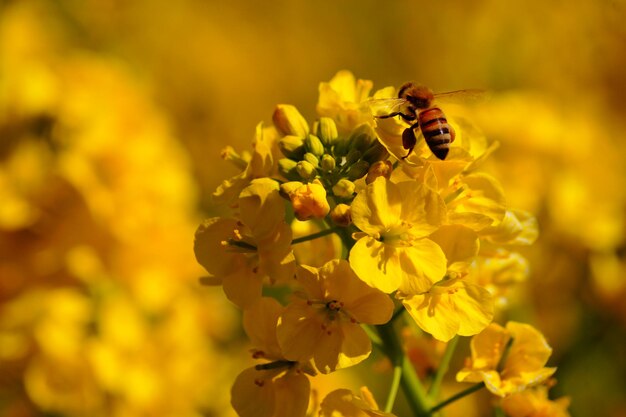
[
  {"x": 387, "y": 106},
  {"x": 470, "y": 96}
]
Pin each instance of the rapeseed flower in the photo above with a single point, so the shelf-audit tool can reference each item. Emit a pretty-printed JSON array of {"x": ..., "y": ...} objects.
[
  {"x": 534, "y": 402},
  {"x": 509, "y": 359},
  {"x": 324, "y": 325},
  {"x": 343, "y": 403},
  {"x": 393, "y": 250},
  {"x": 240, "y": 253},
  {"x": 450, "y": 307},
  {"x": 278, "y": 388}
]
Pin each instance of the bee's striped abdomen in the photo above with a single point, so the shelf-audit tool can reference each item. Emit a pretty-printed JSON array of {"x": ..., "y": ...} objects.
[{"x": 438, "y": 134}]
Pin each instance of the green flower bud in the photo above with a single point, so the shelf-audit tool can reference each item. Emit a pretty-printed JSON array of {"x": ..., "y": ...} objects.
[
  {"x": 328, "y": 163},
  {"x": 314, "y": 145},
  {"x": 306, "y": 170},
  {"x": 312, "y": 159},
  {"x": 358, "y": 170},
  {"x": 353, "y": 156},
  {"x": 344, "y": 188},
  {"x": 376, "y": 152},
  {"x": 287, "y": 168},
  {"x": 362, "y": 137},
  {"x": 326, "y": 130},
  {"x": 289, "y": 121},
  {"x": 292, "y": 147},
  {"x": 341, "y": 147}
]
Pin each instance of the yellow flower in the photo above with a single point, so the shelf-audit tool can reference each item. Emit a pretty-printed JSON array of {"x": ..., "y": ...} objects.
[
  {"x": 506, "y": 372},
  {"x": 393, "y": 251},
  {"x": 343, "y": 403},
  {"x": 308, "y": 200},
  {"x": 261, "y": 164},
  {"x": 279, "y": 387},
  {"x": 325, "y": 325},
  {"x": 516, "y": 228},
  {"x": 475, "y": 200},
  {"x": 240, "y": 254},
  {"x": 343, "y": 100},
  {"x": 535, "y": 403},
  {"x": 453, "y": 306}
]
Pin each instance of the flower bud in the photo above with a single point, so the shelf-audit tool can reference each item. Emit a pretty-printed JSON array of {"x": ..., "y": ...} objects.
[
  {"x": 376, "y": 152},
  {"x": 289, "y": 121},
  {"x": 287, "y": 168},
  {"x": 311, "y": 159},
  {"x": 292, "y": 147},
  {"x": 358, "y": 170},
  {"x": 353, "y": 156},
  {"x": 341, "y": 148},
  {"x": 287, "y": 188},
  {"x": 314, "y": 145},
  {"x": 379, "y": 169},
  {"x": 326, "y": 130},
  {"x": 344, "y": 188},
  {"x": 306, "y": 170},
  {"x": 308, "y": 200},
  {"x": 328, "y": 163},
  {"x": 362, "y": 137},
  {"x": 341, "y": 215}
]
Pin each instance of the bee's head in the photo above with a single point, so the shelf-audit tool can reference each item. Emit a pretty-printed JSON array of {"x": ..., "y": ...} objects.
[{"x": 417, "y": 95}]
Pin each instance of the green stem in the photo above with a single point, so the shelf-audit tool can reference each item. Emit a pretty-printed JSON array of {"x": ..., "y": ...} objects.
[
  {"x": 498, "y": 412},
  {"x": 393, "y": 390},
  {"x": 410, "y": 382},
  {"x": 456, "y": 396},
  {"x": 397, "y": 313},
  {"x": 376, "y": 340},
  {"x": 314, "y": 235},
  {"x": 433, "y": 392}
]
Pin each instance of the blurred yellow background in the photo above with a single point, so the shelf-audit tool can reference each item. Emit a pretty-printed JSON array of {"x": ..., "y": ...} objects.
[{"x": 112, "y": 116}]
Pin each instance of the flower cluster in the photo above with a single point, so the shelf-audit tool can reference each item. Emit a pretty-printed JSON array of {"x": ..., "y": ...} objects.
[{"x": 431, "y": 237}]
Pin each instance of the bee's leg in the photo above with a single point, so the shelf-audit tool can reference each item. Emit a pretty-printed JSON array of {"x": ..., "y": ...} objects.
[
  {"x": 405, "y": 117},
  {"x": 409, "y": 140}
]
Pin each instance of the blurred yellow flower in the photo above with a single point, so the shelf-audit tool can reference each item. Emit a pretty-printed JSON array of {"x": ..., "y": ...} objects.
[
  {"x": 534, "y": 402},
  {"x": 392, "y": 251},
  {"x": 325, "y": 324},
  {"x": 508, "y": 360},
  {"x": 343, "y": 99}
]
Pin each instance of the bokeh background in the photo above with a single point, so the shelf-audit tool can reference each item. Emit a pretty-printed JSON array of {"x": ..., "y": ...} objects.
[{"x": 112, "y": 116}]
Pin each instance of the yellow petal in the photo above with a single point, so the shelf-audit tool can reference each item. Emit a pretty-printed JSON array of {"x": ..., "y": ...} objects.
[
  {"x": 262, "y": 208},
  {"x": 243, "y": 287},
  {"x": 292, "y": 392},
  {"x": 377, "y": 207},
  {"x": 474, "y": 306},
  {"x": 434, "y": 315},
  {"x": 459, "y": 243},
  {"x": 208, "y": 247},
  {"x": 259, "y": 323},
  {"x": 530, "y": 350},
  {"x": 252, "y": 394},
  {"x": 376, "y": 264},
  {"x": 341, "y": 346},
  {"x": 299, "y": 331},
  {"x": 422, "y": 264}
]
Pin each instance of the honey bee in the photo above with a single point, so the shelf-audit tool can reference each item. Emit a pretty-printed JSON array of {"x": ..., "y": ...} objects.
[{"x": 415, "y": 106}]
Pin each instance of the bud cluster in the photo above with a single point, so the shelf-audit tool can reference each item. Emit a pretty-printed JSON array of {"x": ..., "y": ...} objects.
[{"x": 322, "y": 156}]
